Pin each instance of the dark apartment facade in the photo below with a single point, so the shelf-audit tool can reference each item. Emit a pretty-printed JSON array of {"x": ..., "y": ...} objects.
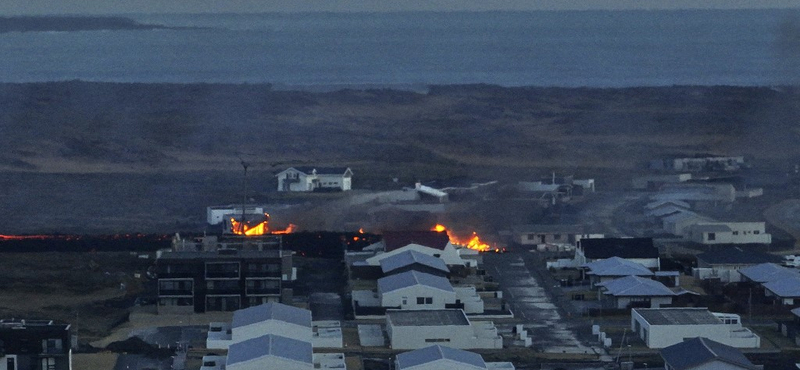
[
  {"x": 35, "y": 345},
  {"x": 222, "y": 280}
]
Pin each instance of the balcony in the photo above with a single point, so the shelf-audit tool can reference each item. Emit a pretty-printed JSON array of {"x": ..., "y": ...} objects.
[{"x": 175, "y": 292}]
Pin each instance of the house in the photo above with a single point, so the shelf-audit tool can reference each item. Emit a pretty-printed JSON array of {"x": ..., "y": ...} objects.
[
  {"x": 442, "y": 357},
  {"x": 271, "y": 318},
  {"x": 612, "y": 268},
  {"x": 639, "y": 250},
  {"x": 724, "y": 264},
  {"x": 547, "y": 234},
  {"x": 663, "y": 327},
  {"x": 791, "y": 328},
  {"x": 677, "y": 223},
  {"x": 703, "y": 353},
  {"x": 766, "y": 272},
  {"x": 412, "y": 260},
  {"x": 315, "y": 179},
  {"x": 786, "y": 290},
  {"x": 414, "y": 290},
  {"x": 635, "y": 291},
  {"x": 415, "y": 329},
  {"x": 728, "y": 233},
  {"x": 35, "y": 344},
  {"x": 216, "y": 215},
  {"x": 222, "y": 280},
  {"x": 432, "y": 243},
  {"x": 699, "y": 163},
  {"x": 270, "y": 352}
]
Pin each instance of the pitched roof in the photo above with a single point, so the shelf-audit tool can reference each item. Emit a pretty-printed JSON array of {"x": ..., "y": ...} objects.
[
  {"x": 430, "y": 354},
  {"x": 616, "y": 266},
  {"x": 678, "y": 316},
  {"x": 736, "y": 256},
  {"x": 619, "y": 247},
  {"x": 398, "y": 239},
  {"x": 410, "y": 278},
  {"x": 634, "y": 286},
  {"x": 785, "y": 288},
  {"x": 767, "y": 272},
  {"x": 320, "y": 170},
  {"x": 661, "y": 203},
  {"x": 796, "y": 311},
  {"x": 664, "y": 210},
  {"x": 682, "y": 215},
  {"x": 411, "y": 257},
  {"x": 697, "y": 351},
  {"x": 271, "y": 311},
  {"x": 270, "y": 345}
]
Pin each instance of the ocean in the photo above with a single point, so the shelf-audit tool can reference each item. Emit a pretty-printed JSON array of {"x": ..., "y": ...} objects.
[{"x": 547, "y": 48}]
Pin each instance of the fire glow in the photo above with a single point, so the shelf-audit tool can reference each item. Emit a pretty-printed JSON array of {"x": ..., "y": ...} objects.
[
  {"x": 472, "y": 242},
  {"x": 261, "y": 228}
]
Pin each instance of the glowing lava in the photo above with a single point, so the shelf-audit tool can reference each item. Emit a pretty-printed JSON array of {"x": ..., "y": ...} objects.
[
  {"x": 472, "y": 242},
  {"x": 261, "y": 228}
]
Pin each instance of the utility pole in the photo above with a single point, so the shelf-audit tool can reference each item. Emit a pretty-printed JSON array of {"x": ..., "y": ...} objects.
[{"x": 244, "y": 196}]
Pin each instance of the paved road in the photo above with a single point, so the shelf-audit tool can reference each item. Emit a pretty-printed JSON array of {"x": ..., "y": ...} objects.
[
  {"x": 520, "y": 277},
  {"x": 138, "y": 362}
]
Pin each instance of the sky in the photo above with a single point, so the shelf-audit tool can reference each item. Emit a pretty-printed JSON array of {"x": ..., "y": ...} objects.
[{"x": 45, "y": 7}]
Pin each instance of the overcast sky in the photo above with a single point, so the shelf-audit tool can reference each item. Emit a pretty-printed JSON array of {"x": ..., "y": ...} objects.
[{"x": 18, "y": 7}]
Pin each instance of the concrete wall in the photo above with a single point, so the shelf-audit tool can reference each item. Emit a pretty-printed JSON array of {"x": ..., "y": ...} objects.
[
  {"x": 660, "y": 336},
  {"x": 438, "y": 296}
]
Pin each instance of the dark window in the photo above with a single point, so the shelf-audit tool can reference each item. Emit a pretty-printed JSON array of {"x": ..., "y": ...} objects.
[
  {"x": 429, "y": 300},
  {"x": 712, "y": 236},
  {"x": 436, "y": 340},
  {"x": 420, "y": 300},
  {"x": 11, "y": 363},
  {"x": 757, "y": 232}
]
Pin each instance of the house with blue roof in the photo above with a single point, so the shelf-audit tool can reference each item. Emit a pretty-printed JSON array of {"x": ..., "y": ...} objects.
[
  {"x": 635, "y": 291},
  {"x": 271, "y": 318},
  {"x": 613, "y": 268},
  {"x": 702, "y": 353},
  {"x": 412, "y": 260},
  {"x": 269, "y": 352},
  {"x": 443, "y": 357},
  {"x": 415, "y": 290}
]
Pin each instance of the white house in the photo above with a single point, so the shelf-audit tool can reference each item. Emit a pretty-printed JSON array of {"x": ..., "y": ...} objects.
[
  {"x": 614, "y": 268},
  {"x": 432, "y": 243},
  {"x": 638, "y": 250},
  {"x": 216, "y": 215},
  {"x": 315, "y": 179},
  {"x": 635, "y": 291},
  {"x": 663, "y": 327},
  {"x": 550, "y": 234},
  {"x": 728, "y": 233},
  {"x": 439, "y": 357},
  {"x": 271, "y": 318},
  {"x": 704, "y": 354},
  {"x": 410, "y": 329},
  {"x": 677, "y": 223},
  {"x": 414, "y": 290},
  {"x": 270, "y": 352}
]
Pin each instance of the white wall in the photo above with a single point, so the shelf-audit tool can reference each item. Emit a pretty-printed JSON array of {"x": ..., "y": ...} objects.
[
  {"x": 468, "y": 295},
  {"x": 438, "y": 296},
  {"x": 725, "y": 275},
  {"x": 461, "y": 336},
  {"x": 660, "y": 336},
  {"x": 741, "y": 233},
  {"x": 276, "y": 327},
  {"x": 4, "y": 361},
  {"x": 655, "y": 302}
]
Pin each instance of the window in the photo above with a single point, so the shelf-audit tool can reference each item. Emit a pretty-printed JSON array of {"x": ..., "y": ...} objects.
[
  {"x": 11, "y": 363},
  {"x": 756, "y": 232},
  {"x": 712, "y": 236},
  {"x": 428, "y": 300},
  {"x": 48, "y": 363},
  {"x": 530, "y": 236},
  {"x": 420, "y": 300},
  {"x": 735, "y": 233},
  {"x": 405, "y": 300},
  {"x": 437, "y": 255},
  {"x": 51, "y": 345}
]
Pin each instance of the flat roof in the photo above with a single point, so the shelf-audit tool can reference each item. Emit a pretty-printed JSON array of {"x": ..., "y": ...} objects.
[
  {"x": 677, "y": 316},
  {"x": 216, "y": 255},
  {"x": 426, "y": 317}
]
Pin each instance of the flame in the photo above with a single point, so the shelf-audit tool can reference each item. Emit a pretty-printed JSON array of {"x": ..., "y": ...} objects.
[
  {"x": 361, "y": 230},
  {"x": 261, "y": 228},
  {"x": 473, "y": 242}
]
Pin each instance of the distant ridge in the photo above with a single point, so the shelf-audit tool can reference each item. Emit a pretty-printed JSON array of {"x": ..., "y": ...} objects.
[{"x": 71, "y": 23}]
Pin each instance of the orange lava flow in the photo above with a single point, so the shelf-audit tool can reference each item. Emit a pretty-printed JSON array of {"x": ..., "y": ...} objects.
[
  {"x": 472, "y": 242},
  {"x": 24, "y": 237}
]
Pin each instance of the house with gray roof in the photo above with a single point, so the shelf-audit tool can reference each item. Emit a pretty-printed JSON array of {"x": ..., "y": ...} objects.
[
  {"x": 413, "y": 260},
  {"x": 709, "y": 233},
  {"x": 271, "y": 318},
  {"x": 724, "y": 264},
  {"x": 414, "y": 290},
  {"x": 613, "y": 268},
  {"x": 269, "y": 352},
  {"x": 635, "y": 291},
  {"x": 786, "y": 290},
  {"x": 442, "y": 357},
  {"x": 703, "y": 353},
  {"x": 663, "y": 327},
  {"x": 766, "y": 272}
]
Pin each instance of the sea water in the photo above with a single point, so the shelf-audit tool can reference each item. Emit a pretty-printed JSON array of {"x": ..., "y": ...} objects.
[{"x": 547, "y": 48}]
